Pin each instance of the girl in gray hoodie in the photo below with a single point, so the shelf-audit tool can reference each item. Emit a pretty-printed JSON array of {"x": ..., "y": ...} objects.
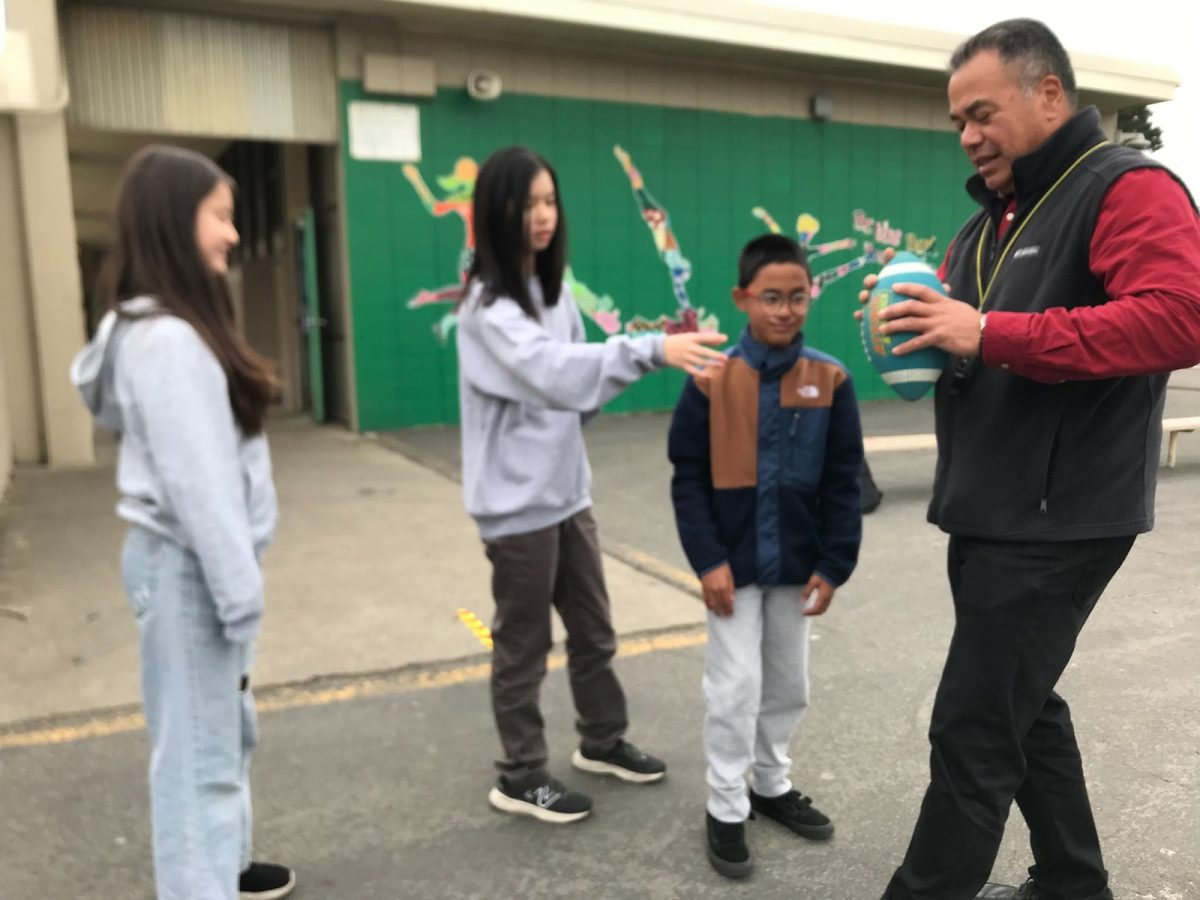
[
  {"x": 528, "y": 380},
  {"x": 168, "y": 371}
]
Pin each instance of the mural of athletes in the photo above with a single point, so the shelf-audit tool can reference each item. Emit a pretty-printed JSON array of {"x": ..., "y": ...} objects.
[
  {"x": 658, "y": 201},
  {"x": 459, "y": 186},
  {"x": 459, "y": 190}
]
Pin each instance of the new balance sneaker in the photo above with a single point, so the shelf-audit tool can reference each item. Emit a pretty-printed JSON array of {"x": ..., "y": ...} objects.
[
  {"x": 266, "y": 881},
  {"x": 1027, "y": 891},
  {"x": 624, "y": 760},
  {"x": 547, "y": 802},
  {"x": 727, "y": 850},
  {"x": 796, "y": 812}
]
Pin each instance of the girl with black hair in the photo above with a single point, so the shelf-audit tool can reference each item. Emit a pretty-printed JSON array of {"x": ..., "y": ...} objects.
[{"x": 528, "y": 380}]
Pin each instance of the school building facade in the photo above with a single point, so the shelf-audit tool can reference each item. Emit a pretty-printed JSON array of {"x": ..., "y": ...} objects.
[{"x": 355, "y": 129}]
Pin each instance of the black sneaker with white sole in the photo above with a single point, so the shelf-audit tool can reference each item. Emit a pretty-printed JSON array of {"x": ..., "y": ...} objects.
[
  {"x": 623, "y": 760},
  {"x": 546, "y": 802},
  {"x": 266, "y": 881}
]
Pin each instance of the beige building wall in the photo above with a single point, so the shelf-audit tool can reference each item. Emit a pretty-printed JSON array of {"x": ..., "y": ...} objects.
[
  {"x": 55, "y": 291},
  {"x": 169, "y": 72},
  {"x": 40, "y": 298},
  {"x": 18, "y": 355}
]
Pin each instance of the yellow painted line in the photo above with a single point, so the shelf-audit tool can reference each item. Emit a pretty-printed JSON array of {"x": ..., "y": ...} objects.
[
  {"x": 676, "y": 641},
  {"x": 476, "y": 627},
  {"x": 118, "y": 724},
  {"x": 298, "y": 696}
]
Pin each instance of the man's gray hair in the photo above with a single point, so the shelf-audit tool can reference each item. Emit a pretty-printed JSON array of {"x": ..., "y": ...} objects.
[{"x": 1028, "y": 44}]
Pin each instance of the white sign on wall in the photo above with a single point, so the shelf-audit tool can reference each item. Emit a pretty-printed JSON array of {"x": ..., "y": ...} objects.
[{"x": 388, "y": 132}]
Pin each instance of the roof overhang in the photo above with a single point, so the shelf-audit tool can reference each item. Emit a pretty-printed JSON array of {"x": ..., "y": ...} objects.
[
  {"x": 732, "y": 31},
  {"x": 757, "y": 32}
]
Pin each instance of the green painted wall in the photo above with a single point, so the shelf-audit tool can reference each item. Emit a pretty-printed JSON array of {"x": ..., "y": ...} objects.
[{"x": 708, "y": 169}]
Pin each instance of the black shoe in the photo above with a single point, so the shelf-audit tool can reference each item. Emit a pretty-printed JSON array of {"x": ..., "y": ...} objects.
[
  {"x": 727, "y": 850},
  {"x": 796, "y": 812},
  {"x": 266, "y": 881},
  {"x": 1027, "y": 891},
  {"x": 624, "y": 760},
  {"x": 546, "y": 802}
]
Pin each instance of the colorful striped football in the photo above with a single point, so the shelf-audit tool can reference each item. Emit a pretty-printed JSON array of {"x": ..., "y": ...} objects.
[{"x": 913, "y": 374}]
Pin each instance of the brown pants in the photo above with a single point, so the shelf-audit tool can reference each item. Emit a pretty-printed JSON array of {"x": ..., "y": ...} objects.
[{"x": 558, "y": 566}]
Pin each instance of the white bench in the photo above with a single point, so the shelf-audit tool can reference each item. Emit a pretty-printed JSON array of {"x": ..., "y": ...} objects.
[
  {"x": 896, "y": 443},
  {"x": 1173, "y": 429}
]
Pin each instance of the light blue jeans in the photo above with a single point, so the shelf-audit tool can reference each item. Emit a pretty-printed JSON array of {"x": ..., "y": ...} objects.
[{"x": 202, "y": 725}]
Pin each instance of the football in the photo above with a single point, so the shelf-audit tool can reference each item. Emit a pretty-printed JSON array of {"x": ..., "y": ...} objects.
[{"x": 912, "y": 375}]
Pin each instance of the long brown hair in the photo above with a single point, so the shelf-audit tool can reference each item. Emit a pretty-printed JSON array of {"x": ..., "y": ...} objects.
[{"x": 155, "y": 254}]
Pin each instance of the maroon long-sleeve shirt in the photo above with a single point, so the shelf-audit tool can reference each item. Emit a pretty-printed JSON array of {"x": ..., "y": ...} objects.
[{"x": 1145, "y": 249}]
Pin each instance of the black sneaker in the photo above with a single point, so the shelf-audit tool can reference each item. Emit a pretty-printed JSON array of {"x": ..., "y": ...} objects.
[
  {"x": 796, "y": 812},
  {"x": 547, "y": 802},
  {"x": 624, "y": 760},
  {"x": 266, "y": 881},
  {"x": 1027, "y": 891},
  {"x": 727, "y": 850}
]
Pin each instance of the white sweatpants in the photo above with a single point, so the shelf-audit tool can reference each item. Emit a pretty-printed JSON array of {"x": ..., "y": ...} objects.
[{"x": 755, "y": 693}]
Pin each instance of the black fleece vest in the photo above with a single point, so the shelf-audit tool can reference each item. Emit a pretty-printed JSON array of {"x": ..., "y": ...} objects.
[{"x": 1022, "y": 460}]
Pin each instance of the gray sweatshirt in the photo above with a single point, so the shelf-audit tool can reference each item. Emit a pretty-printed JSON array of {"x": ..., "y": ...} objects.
[
  {"x": 184, "y": 469},
  {"x": 526, "y": 388}
]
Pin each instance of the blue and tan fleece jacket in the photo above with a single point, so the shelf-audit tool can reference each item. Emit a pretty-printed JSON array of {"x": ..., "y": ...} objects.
[{"x": 767, "y": 456}]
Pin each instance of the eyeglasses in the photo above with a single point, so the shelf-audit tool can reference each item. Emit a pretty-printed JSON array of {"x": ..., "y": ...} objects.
[{"x": 777, "y": 299}]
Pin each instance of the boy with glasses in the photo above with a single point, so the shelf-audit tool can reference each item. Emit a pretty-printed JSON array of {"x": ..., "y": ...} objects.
[{"x": 767, "y": 453}]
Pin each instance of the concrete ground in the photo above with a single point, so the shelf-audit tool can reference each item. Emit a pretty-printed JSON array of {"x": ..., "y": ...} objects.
[
  {"x": 373, "y": 559},
  {"x": 376, "y": 734}
]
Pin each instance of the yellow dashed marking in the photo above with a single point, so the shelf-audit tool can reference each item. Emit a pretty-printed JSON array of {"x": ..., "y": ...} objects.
[{"x": 476, "y": 627}]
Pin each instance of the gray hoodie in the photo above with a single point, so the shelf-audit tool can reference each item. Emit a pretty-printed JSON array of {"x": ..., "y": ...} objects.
[
  {"x": 525, "y": 389},
  {"x": 184, "y": 469}
]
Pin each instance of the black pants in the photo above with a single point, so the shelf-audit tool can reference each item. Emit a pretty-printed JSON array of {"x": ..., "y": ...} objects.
[
  {"x": 557, "y": 567},
  {"x": 1000, "y": 733}
]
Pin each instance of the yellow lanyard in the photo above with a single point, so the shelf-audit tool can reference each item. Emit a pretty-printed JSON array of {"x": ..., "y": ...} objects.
[{"x": 983, "y": 294}]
